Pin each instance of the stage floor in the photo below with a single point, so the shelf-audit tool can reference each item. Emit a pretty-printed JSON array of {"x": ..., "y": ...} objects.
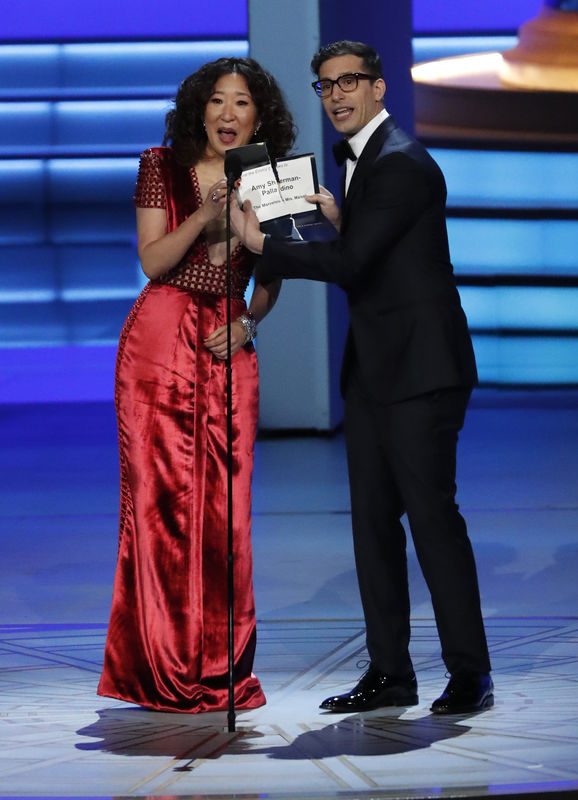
[{"x": 58, "y": 506}]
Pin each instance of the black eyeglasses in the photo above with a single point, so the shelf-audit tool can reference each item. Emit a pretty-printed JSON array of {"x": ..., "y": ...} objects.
[{"x": 347, "y": 83}]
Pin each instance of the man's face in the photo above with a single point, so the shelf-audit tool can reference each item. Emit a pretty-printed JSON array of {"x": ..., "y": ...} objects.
[{"x": 351, "y": 111}]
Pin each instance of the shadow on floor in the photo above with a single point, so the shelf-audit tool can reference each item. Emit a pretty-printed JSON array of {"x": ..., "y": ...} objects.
[
  {"x": 137, "y": 732},
  {"x": 378, "y": 733},
  {"x": 140, "y": 732}
]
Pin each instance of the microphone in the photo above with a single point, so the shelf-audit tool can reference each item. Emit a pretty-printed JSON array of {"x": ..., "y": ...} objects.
[
  {"x": 233, "y": 167},
  {"x": 245, "y": 157}
]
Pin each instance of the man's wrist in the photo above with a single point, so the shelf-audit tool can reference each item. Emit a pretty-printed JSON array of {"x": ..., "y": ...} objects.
[
  {"x": 261, "y": 242},
  {"x": 257, "y": 242}
]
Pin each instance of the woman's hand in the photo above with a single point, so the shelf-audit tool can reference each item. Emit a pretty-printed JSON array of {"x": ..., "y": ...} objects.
[
  {"x": 215, "y": 201},
  {"x": 217, "y": 341},
  {"x": 159, "y": 251},
  {"x": 328, "y": 206}
]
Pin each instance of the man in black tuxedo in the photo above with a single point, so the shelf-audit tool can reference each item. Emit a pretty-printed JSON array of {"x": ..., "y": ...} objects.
[{"x": 407, "y": 375}]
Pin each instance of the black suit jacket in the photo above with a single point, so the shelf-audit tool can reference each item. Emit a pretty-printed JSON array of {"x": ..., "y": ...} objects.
[{"x": 408, "y": 334}]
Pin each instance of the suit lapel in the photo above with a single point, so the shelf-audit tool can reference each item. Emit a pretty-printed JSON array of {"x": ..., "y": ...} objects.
[{"x": 375, "y": 145}]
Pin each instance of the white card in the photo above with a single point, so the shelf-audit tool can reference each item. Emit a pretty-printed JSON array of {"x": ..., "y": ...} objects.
[
  {"x": 259, "y": 185},
  {"x": 271, "y": 199},
  {"x": 296, "y": 179}
]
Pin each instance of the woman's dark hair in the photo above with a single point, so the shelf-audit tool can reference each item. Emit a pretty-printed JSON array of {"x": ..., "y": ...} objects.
[
  {"x": 184, "y": 128},
  {"x": 371, "y": 59}
]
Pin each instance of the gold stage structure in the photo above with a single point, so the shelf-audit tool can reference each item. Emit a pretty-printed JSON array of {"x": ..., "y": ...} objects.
[{"x": 527, "y": 94}]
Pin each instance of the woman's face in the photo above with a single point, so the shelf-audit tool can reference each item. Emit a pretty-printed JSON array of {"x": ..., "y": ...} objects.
[{"x": 230, "y": 115}]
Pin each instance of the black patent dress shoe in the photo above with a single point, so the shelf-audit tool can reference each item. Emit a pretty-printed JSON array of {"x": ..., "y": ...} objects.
[
  {"x": 374, "y": 690},
  {"x": 466, "y": 693}
]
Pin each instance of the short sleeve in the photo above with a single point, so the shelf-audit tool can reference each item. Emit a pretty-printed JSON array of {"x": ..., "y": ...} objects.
[{"x": 150, "y": 187}]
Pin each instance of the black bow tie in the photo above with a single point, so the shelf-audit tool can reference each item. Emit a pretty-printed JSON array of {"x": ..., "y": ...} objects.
[{"x": 342, "y": 150}]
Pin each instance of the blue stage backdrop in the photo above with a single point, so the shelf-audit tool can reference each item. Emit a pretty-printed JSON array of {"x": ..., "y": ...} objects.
[
  {"x": 490, "y": 16},
  {"x": 84, "y": 89},
  {"x": 100, "y": 20}
]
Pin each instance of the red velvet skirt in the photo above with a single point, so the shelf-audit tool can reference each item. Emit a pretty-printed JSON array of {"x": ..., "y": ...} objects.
[{"x": 166, "y": 647}]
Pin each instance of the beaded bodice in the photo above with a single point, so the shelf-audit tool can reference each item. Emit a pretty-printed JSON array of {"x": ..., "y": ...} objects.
[{"x": 162, "y": 183}]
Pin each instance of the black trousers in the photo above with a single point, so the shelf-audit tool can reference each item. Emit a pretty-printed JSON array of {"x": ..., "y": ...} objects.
[{"x": 402, "y": 458}]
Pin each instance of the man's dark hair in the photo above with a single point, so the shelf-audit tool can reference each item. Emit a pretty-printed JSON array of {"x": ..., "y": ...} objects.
[{"x": 371, "y": 59}]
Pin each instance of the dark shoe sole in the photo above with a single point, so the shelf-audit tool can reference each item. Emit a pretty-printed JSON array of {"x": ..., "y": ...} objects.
[
  {"x": 386, "y": 702},
  {"x": 486, "y": 704}
]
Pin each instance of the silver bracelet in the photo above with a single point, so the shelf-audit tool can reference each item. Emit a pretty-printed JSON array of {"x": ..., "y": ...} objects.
[{"x": 249, "y": 323}]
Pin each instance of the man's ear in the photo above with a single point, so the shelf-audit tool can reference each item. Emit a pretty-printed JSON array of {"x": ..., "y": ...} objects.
[{"x": 379, "y": 89}]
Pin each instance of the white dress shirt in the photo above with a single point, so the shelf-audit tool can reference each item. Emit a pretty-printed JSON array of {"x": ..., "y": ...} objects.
[{"x": 358, "y": 142}]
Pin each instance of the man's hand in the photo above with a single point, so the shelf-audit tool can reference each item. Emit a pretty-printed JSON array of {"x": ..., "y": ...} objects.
[
  {"x": 328, "y": 206},
  {"x": 246, "y": 225}
]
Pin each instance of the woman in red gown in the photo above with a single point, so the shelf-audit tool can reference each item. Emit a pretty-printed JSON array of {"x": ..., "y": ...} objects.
[{"x": 167, "y": 643}]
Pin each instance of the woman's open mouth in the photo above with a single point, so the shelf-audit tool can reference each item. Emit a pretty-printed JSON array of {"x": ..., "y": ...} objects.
[{"x": 227, "y": 135}]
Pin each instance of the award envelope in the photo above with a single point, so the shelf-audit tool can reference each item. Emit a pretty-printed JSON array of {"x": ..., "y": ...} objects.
[
  {"x": 297, "y": 178},
  {"x": 277, "y": 192}
]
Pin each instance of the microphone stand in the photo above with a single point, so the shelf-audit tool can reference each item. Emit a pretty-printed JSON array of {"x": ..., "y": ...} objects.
[{"x": 231, "y": 178}]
